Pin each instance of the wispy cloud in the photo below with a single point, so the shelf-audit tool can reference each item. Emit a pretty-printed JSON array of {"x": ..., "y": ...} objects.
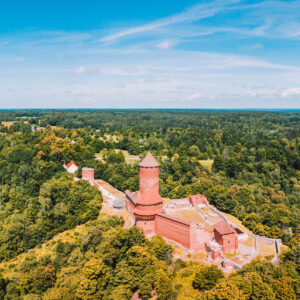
[
  {"x": 166, "y": 44},
  {"x": 290, "y": 92},
  {"x": 197, "y": 12},
  {"x": 272, "y": 19},
  {"x": 191, "y": 59},
  {"x": 80, "y": 70},
  {"x": 253, "y": 47}
]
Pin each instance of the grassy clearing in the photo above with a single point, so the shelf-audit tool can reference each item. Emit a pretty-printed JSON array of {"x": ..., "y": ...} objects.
[
  {"x": 99, "y": 156},
  {"x": 8, "y": 123},
  {"x": 190, "y": 215},
  {"x": 266, "y": 248},
  {"x": 107, "y": 209},
  {"x": 129, "y": 158},
  {"x": 108, "y": 137},
  {"x": 207, "y": 164},
  {"x": 237, "y": 222},
  {"x": 249, "y": 242},
  {"x": 229, "y": 255},
  {"x": 48, "y": 248},
  {"x": 29, "y": 117}
]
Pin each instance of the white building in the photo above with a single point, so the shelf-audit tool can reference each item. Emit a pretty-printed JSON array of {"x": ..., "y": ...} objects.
[{"x": 71, "y": 167}]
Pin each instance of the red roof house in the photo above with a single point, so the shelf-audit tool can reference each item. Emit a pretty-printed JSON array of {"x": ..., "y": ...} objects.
[{"x": 71, "y": 167}]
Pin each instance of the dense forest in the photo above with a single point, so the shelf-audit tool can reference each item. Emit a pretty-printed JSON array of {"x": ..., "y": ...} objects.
[{"x": 254, "y": 175}]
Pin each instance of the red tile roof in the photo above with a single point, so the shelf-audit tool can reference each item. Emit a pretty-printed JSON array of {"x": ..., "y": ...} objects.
[
  {"x": 223, "y": 228},
  {"x": 149, "y": 161},
  {"x": 71, "y": 163}
]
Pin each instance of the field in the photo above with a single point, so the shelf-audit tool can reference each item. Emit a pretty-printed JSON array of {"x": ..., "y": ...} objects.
[
  {"x": 108, "y": 137},
  {"x": 129, "y": 158},
  {"x": 8, "y": 123}
]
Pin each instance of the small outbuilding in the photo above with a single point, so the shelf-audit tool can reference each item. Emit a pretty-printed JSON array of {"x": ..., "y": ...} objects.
[
  {"x": 226, "y": 236},
  {"x": 71, "y": 167}
]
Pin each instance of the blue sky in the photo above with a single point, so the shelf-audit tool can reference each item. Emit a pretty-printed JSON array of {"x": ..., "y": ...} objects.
[{"x": 156, "y": 54}]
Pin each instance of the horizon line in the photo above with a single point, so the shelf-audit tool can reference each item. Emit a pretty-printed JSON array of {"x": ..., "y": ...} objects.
[{"x": 165, "y": 108}]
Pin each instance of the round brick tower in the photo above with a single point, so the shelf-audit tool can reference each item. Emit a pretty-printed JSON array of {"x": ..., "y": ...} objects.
[
  {"x": 149, "y": 201},
  {"x": 87, "y": 173}
]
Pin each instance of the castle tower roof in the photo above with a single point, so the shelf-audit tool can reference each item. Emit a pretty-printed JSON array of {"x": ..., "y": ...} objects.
[{"x": 149, "y": 162}]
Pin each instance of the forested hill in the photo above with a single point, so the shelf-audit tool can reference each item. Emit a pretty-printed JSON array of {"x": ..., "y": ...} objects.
[{"x": 246, "y": 163}]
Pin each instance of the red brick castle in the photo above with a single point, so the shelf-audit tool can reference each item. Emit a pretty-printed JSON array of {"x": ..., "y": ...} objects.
[{"x": 147, "y": 211}]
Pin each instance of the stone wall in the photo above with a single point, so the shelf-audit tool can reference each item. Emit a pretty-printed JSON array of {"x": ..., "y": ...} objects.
[{"x": 104, "y": 191}]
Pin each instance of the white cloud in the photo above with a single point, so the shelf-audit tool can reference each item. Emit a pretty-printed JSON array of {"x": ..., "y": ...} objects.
[
  {"x": 122, "y": 71},
  {"x": 194, "y": 96},
  {"x": 290, "y": 92},
  {"x": 18, "y": 59},
  {"x": 166, "y": 44},
  {"x": 80, "y": 70},
  {"x": 140, "y": 74},
  {"x": 253, "y": 47},
  {"x": 291, "y": 30},
  {"x": 272, "y": 19},
  {"x": 88, "y": 99}
]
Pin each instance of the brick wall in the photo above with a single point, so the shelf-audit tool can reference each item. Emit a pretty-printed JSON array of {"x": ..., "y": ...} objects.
[
  {"x": 199, "y": 237},
  {"x": 173, "y": 229},
  {"x": 87, "y": 173},
  {"x": 229, "y": 242}
]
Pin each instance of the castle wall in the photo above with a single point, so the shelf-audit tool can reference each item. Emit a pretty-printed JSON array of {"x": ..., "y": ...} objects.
[
  {"x": 196, "y": 200},
  {"x": 148, "y": 225},
  {"x": 103, "y": 191},
  {"x": 174, "y": 229},
  {"x": 130, "y": 208},
  {"x": 199, "y": 237}
]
